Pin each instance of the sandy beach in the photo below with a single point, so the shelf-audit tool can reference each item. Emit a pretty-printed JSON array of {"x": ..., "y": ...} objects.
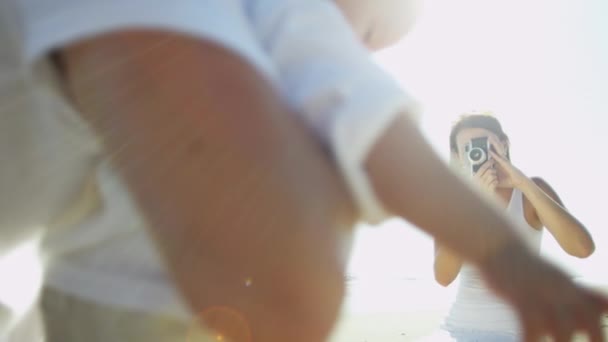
[{"x": 387, "y": 327}]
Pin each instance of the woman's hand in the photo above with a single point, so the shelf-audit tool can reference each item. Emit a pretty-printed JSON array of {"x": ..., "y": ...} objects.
[
  {"x": 486, "y": 176},
  {"x": 508, "y": 176}
]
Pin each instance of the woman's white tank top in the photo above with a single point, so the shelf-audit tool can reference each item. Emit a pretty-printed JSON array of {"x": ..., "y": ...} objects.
[{"x": 476, "y": 308}]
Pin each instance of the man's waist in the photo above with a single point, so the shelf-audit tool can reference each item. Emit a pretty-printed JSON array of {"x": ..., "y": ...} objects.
[{"x": 152, "y": 293}]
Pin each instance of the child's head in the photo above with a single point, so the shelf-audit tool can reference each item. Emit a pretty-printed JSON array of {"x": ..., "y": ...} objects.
[{"x": 380, "y": 23}]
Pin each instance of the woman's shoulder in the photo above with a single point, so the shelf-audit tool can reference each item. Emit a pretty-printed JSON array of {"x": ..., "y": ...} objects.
[
  {"x": 539, "y": 181},
  {"x": 544, "y": 186},
  {"x": 529, "y": 211}
]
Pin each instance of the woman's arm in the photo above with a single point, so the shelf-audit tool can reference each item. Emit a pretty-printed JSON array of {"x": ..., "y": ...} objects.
[
  {"x": 447, "y": 265},
  {"x": 550, "y": 212}
]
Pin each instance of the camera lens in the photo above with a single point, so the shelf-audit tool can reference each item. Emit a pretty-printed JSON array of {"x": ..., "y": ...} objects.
[{"x": 477, "y": 155}]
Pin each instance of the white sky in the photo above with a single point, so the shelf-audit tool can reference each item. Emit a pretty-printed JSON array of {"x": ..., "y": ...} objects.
[{"x": 542, "y": 67}]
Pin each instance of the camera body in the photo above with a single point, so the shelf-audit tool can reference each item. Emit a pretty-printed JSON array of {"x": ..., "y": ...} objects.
[{"x": 477, "y": 153}]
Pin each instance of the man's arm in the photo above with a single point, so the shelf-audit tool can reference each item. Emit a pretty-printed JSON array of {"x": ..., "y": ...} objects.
[{"x": 242, "y": 201}]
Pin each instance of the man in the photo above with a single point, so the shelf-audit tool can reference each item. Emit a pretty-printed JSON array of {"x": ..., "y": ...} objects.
[{"x": 249, "y": 179}]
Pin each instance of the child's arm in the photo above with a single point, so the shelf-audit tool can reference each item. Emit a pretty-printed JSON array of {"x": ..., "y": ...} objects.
[
  {"x": 412, "y": 182},
  {"x": 328, "y": 76}
]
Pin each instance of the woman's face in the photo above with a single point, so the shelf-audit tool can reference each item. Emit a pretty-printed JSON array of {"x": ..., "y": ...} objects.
[{"x": 465, "y": 135}]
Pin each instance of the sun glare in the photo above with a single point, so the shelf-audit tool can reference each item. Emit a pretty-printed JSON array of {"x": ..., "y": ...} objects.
[{"x": 22, "y": 277}]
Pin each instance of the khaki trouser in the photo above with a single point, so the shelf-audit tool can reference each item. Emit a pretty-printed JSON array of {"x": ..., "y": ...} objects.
[
  {"x": 27, "y": 328},
  {"x": 70, "y": 319}
]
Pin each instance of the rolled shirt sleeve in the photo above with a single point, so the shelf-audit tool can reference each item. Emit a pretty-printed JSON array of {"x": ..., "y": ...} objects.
[{"x": 329, "y": 77}]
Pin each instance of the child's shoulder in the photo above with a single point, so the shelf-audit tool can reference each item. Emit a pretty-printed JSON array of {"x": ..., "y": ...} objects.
[{"x": 380, "y": 22}]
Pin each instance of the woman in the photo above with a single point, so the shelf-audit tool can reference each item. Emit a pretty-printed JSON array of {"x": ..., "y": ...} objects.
[{"x": 477, "y": 314}]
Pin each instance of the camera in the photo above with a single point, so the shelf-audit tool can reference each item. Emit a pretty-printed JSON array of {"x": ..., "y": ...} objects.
[{"x": 476, "y": 151}]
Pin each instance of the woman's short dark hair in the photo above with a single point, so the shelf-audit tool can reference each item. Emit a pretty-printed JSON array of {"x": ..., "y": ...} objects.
[{"x": 485, "y": 121}]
